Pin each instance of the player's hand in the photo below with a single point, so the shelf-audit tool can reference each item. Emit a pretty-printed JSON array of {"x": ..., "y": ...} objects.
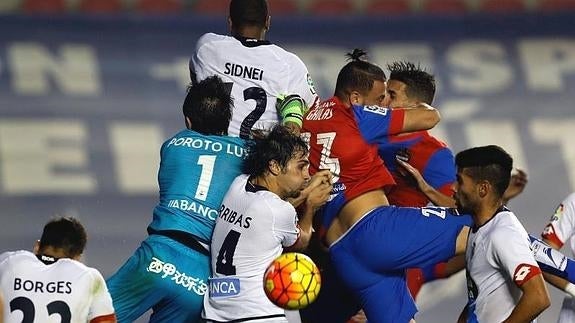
[
  {"x": 516, "y": 185},
  {"x": 323, "y": 176},
  {"x": 291, "y": 109},
  {"x": 319, "y": 189},
  {"x": 414, "y": 173},
  {"x": 359, "y": 317}
]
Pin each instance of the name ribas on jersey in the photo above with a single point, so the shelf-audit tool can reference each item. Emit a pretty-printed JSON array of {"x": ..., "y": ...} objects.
[
  {"x": 247, "y": 72},
  {"x": 234, "y": 217}
]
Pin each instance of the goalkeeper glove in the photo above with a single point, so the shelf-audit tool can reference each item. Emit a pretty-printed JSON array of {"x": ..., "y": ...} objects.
[{"x": 291, "y": 108}]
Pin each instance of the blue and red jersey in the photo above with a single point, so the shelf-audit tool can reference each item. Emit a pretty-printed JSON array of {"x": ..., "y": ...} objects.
[
  {"x": 345, "y": 140},
  {"x": 431, "y": 157}
]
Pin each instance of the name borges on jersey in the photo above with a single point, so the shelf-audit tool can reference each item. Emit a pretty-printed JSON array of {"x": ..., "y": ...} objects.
[
  {"x": 214, "y": 146},
  {"x": 234, "y": 217},
  {"x": 247, "y": 72},
  {"x": 50, "y": 287}
]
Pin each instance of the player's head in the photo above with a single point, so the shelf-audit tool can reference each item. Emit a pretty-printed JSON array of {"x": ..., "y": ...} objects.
[
  {"x": 249, "y": 18},
  {"x": 360, "y": 82},
  {"x": 280, "y": 157},
  {"x": 408, "y": 84},
  {"x": 64, "y": 235},
  {"x": 208, "y": 107},
  {"x": 483, "y": 174}
]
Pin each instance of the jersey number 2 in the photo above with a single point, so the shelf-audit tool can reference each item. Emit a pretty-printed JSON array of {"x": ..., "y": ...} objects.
[
  {"x": 25, "y": 305},
  {"x": 259, "y": 95}
]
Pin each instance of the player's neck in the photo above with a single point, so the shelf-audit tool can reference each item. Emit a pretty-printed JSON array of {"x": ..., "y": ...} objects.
[
  {"x": 486, "y": 213},
  {"x": 267, "y": 183},
  {"x": 50, "y": 251},
  {"x": 250, "y": 33}
]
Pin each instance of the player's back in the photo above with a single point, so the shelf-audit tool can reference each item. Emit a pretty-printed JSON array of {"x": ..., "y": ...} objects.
[
  {"x": 343, "y": 140},
  {"x": 195, "y": 173},
  {"x": 61, "y": 291},
  {"x": 258, "y": 72},
  {"x": 252, "y": 227}
]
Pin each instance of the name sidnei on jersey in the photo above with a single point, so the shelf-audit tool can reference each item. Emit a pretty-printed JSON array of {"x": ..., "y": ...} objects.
[
  {"x": 50, "y": 287},
  {"x": 205, "y": 144},
  {"x": 234, "y": 217},
  {"x": 247, "y": 72}
]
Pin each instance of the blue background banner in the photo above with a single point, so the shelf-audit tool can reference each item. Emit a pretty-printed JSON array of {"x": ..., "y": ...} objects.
[{"x": 85, "y": 103}]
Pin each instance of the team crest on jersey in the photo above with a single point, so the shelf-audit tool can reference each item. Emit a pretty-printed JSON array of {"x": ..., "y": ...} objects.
[
  {"x": 310, "y": 84},
  {"x": 376, "y": 109},
  {"x": 548, "y": 230},
  {"x": 558, "y": 213}
]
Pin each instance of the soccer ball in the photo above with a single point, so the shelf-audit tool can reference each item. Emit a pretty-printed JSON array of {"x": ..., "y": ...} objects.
[{"x": 292, "y": 281}]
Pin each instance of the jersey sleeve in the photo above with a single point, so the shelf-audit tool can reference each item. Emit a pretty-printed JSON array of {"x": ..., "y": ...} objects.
[
  {"x": 510, "y": 252},
  {"x": 561, "y": 226},
  {"x": 301, "y": 82},
  {"x": 101, "y": 307},
  {"x": 285, "y": 227},
  {"x": 378, "y": 123}
]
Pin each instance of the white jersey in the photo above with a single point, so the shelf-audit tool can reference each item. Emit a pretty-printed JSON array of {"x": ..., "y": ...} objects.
[
  {"x": 258, "y": 73},
  {"x": 560, "y": 230},
  {"x": 63, "y": 291},
  {"x": 499, "y": 259},
  {"x": 253, "y": 226}
]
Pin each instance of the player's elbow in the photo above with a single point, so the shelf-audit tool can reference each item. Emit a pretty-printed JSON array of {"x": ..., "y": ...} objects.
[
  {"x": 543, "y": 301},
  {"x": 540, "y": 300},
  {"x": 421, "y": 118},
  {"x": 432, "y": 118},
  {"x": 301, "y": 243}
]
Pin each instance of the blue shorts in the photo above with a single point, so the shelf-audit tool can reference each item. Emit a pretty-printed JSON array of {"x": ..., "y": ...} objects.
[
  {"x": 372, "y": 256},
  {"x": 163, "y": 275}
]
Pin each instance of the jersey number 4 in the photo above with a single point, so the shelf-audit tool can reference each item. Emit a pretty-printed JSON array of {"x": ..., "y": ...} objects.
[
  {"x": 25, "y": 305},
  {"x": 225, "y": 260},
  {"x": 259, "y": 95}
]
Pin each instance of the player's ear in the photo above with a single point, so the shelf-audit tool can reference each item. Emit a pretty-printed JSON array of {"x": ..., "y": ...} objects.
[
  {"x": 36, "y": 247},
  {"x": 355, "y": 98},
  {"x": 268, "y": 23},
  {"x": 274, "y": 167},
  {"x": 484, "y": 188},
  {"x": 188, "y": 123},
  {"x": 230, "y": 25}
]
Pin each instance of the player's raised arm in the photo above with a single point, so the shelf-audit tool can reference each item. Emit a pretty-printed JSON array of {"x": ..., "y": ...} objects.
[{"x": 422, "y": 117}]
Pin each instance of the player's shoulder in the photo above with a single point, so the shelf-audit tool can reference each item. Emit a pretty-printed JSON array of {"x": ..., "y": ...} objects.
[
  {"x": 208, "y": 38},
  {"x": 15, "y": 255},
  {"x": 570, "y": 199},
  {"x": 286, "y": 57},
  {"x": 505, "y": 225},
  {"x": 433, "y": 141},
  {"x": 79, "y": 268}
]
